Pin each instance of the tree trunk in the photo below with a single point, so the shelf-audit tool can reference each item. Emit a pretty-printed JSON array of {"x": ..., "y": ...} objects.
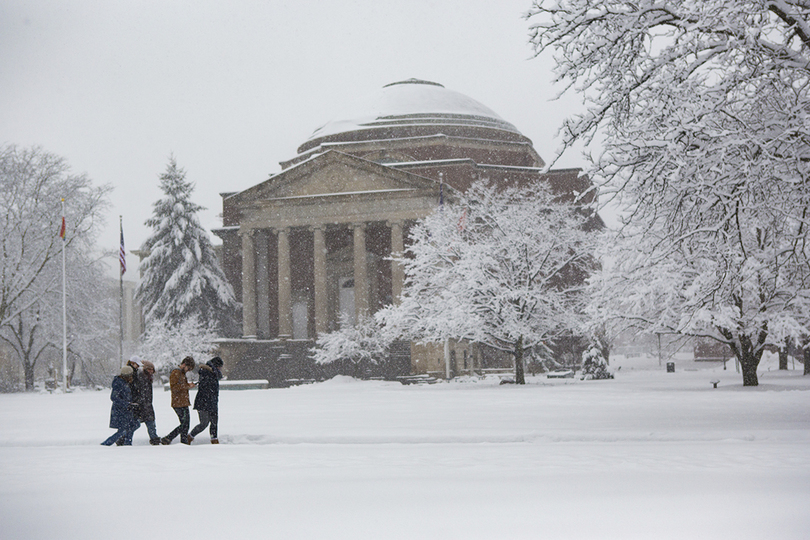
[
  {"x": 783, "y": 356},
  {"x": 748, "y": 353},
  {"x": 520, "y": 378},
  {"x": 28, "y": 369},
  {"x": 783, "y": 359},
  {"x": 749, "y": 363},
  {"x": 70, "y": 374},
  {"x": 749, "y": 373},
  {"x": 807, "y": 360}
]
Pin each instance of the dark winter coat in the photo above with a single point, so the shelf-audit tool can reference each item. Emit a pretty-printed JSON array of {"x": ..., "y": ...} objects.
[
  {"x": 121, "y": 415},
  {"x": 208, "y": 388},
  {"x": 143, "y": 381},
  {"x": 134, "y": 389}
]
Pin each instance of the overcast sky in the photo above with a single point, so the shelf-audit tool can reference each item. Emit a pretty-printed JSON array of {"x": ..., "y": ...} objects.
[{"x": 232, "y": 88}]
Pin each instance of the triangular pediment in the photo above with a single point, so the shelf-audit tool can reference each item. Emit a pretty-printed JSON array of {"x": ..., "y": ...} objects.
[{"x": 335, "y": 173}]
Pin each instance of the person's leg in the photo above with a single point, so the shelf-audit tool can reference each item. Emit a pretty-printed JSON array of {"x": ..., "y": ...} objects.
[
  {"x": 114, "y": 437},
  {"x": 123, "y": 440},
  {"x": 151, "y": 427},
  {"x": 214, "y": 423},
  {"x": 204, "y": 419},
  {"x": 176, "y": 431},
  {"x": 185, "y": 422},
  {"x": 128, "y": 436}
]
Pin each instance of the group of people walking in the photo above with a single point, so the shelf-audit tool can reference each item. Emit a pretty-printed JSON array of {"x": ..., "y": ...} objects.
[{"x": 132, "y": 401}]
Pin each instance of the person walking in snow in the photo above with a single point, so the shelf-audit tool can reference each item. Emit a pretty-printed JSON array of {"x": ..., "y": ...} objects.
[
  {"x": 207, "y": 401},
  {"x": 146, "y": 412},
  {"x": 180, "y": 403},
  {"x": 134, "y": 363},
  {"x": 121, "y": 413}
]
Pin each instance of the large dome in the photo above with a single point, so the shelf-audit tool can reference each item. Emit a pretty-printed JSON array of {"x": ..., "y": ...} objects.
[{"x": 413, "y": 108}]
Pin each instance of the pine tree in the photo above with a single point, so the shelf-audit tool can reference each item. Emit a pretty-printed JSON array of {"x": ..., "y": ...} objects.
[
  {"x": 594, "y": 365},
  {"x": 182, "y": 279}
]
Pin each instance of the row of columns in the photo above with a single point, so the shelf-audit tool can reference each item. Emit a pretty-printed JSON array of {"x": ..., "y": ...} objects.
[{"x": 256, "y": 279}]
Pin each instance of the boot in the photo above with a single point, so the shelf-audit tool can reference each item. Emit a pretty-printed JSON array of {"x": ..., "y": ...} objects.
[
  {"x": 214, "y": 441},
  {"x": 165, "y": 440},
  {"x": 188, "y": 440},
  {"x": 119, "y": 442},
  {"x": 154, "y": 442}
]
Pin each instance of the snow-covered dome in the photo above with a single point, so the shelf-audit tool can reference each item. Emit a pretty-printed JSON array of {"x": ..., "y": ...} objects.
[{"x": 412, "y": 108}]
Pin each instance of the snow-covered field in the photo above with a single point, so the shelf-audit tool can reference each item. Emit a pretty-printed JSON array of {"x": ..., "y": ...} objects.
[{"x": 650, "y": 455}]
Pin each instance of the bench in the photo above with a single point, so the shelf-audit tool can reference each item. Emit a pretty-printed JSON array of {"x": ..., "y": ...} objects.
[
  {"x": 298, "y": 382},
  {"x": 715, "y": 383},
  {"x": 497, "y": 371},
  {"x": 254, "y": 384},
  {"x": 561, "y": 374},
  {"x": 417, "y": 379}
]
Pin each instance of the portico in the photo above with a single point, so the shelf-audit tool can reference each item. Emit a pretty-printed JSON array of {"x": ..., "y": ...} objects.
[{"x": 316, "y": 253}]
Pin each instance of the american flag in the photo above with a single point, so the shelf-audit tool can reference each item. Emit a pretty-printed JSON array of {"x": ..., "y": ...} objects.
[{"x": 122, "y": 254}]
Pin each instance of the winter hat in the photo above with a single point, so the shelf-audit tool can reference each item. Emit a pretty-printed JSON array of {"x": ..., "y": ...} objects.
[
  {"x": 148, "y": 364},
  {"x": 135, "y": 360},
  {"x": 126, "y": 371},
  {"x": 216, "y": 362}
]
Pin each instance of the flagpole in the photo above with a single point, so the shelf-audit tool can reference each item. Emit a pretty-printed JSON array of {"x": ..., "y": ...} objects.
[
  {"x": 441, "y": 191},
  {"x": 121, "y": 294},
  {"x": 64, "y": 303}
]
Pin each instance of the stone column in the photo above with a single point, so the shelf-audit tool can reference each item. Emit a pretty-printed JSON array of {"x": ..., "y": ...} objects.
[
  {"x": 248, "y": 285},
  {"x": 284, "y": 285},
  {"x": 319, "y": 272},
  {"x": 361, "y": 303},
  {"x": 397, "y": 271},
  {"x": 262, "y": 285}
]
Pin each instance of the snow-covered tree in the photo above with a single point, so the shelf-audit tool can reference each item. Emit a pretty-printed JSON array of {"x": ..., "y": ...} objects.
[
  {"x": 182, "y": 279},
  {"x": 33, "y": 183},
  {"x": 594, "y": 365},
  {"x": 702, "y": 111},
  {"x": 36, "y": 332},
  {"x": 500, "y": 266},
  {"x": 359, "y": 344},
  {"x": 165, "y": 346},
  {"x": 92, "y": 318}
]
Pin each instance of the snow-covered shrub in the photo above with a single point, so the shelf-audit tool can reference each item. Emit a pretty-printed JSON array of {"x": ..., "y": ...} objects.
[
  {"x": 594, "y": 365},
  {"x": 360, "y": 345},
  {"x": 165, "y": 345}
]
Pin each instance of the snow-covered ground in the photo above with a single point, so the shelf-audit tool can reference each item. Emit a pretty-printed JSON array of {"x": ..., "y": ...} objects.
[{"x": 650, "y": 455}]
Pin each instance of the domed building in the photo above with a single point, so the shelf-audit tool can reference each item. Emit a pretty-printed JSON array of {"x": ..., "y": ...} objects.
[{"x": 307, "y": 249}]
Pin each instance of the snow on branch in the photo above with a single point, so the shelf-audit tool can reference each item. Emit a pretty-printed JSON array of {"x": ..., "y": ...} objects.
[{"x": 499, "y": 266}]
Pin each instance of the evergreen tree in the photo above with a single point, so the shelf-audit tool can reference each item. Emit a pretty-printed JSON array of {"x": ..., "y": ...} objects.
[
  {"x": 182, "y": 279},
  {"x": 594, "y": 365}
]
